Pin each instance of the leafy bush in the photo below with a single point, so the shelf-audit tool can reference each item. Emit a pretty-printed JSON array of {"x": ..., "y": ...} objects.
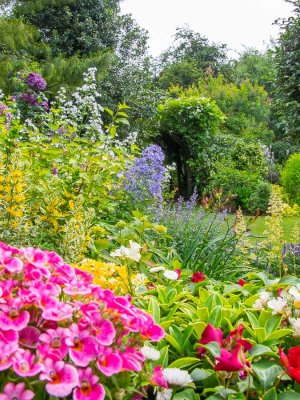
[
  {"x": 291, "y": 177},
  {"x": 259, "y": 200}
]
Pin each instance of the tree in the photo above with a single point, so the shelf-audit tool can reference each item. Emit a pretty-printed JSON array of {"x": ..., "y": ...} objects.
[
  {"x": 257, "y": 67},
  {"x": 72, "y": 26},
  {"x": 287, "y": 58},
  {"x": 190, "y": 56},
  {"x": 187, "y": 126}
]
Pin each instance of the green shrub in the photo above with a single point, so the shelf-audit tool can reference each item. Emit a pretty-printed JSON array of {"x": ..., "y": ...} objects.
[
  {"x": 260, "y": 198},
  {"x": 290, "y": 177}
]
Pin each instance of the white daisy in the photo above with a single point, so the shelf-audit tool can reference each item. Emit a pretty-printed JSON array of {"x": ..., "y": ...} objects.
[
  {"x": 172, "y": 275},
  {"x": 150, "y": 353},
  {"x": 177, "y": 376}
]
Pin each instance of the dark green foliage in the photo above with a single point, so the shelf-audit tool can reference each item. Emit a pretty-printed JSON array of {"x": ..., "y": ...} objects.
[
  {"x": 259, "y": 200},
  {"x": 291, "y": 177},
  {"x": 69, "y": 26},
  {"x": 287, "y": 74},
  {"x": 187, "y": 126},
  {"x": 190, "y": 56}
]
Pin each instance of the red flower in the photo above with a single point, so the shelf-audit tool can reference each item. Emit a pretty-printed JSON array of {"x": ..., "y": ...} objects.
[
  {"x": 232, "y": 361},
  {"x": 291, "y": 362},
  {"x": 241, "y": 282},
  {"x": 210, "y": 334},
  {"x": 234, "y": 338},
  {"x": 198, "y": 277},
  {"x": 178, "y": 272}
]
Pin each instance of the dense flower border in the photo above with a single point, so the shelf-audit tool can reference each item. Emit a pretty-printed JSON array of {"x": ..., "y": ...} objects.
[{"x": 60, "y": 332}]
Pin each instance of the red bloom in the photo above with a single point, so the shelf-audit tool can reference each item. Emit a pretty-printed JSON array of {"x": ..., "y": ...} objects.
[
  {"x": 178, "y": 272},
  {"x": 241, "y": 282},
  {"x": 235, "y": 337},
  {"x": 291, "y": 362},
  {"x": 198, "y": 277},
  {"x": 210, "y": 334},
  {"x": 232, "y": 361}
]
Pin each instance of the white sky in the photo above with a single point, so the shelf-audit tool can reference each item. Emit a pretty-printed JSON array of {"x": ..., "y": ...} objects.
[{"x": 236, "y": 23}]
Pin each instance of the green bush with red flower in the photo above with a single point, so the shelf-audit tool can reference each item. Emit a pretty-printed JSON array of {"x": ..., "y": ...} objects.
[{"x": 237, "y": 340}]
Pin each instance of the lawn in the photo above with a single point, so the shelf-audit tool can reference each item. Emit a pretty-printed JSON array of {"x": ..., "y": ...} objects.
[{"x": 258, "y": 227}]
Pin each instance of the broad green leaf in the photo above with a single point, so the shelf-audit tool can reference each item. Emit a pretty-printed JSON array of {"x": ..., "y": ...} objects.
[
  {"x": 271, "y": 394},
  {"x": 266, "y": 372},
  {"x": 213, "y": 348},
  {"x": 187, "y": 394},
  {"x": 215, "y": 317},
  {"x": 252, "y": 319},
  {"x": 260, "y": 334},
  {"x": 184, "y": 362},
  {"x": 201, "y": 374},
  {"x": 280, "y": 334},
  {"x": 154, "y": 309},
  {"x": 259, "y": 350},
  {"x": 289, "y": 395},
  {"x": 273, "y": 324}
]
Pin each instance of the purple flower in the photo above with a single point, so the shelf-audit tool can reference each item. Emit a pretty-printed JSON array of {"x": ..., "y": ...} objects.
[
  {"x": 44, "y": 104},
  {"x": 29, "y": 98},
  {"x": 35, "y": 81},
  {"x": 145, "y": 178},
  {"x": 55, "y": 171}
]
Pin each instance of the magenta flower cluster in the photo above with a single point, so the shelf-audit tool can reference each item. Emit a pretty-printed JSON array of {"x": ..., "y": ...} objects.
[
  {"x": 36, "y": 82},
  {"x": 61, "y": 333}
]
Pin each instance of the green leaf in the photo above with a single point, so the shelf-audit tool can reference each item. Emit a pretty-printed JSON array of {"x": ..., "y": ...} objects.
[
  {"x": 201, "y": 374},
  {"x": 215, "y": 317},
  {"x": 289, "y": 395},
  {"x": 253, "y": 320},
  {"x": 154, "y": 310},
  {"x": 271, "y": 394},
  {"x": 259, "y": 350},
  {"x": 187, "y": 394},
  {"x": 184, "y": 362},
  {"x": 273, "y": 324},
  {"x": 260, "y": 334},
  {"x": 280, "y": 334},
  {"x": 266, "y": 372},
  {"x": 213, "y": 348}
]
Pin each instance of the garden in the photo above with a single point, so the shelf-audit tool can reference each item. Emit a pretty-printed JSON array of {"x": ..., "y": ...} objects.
[{"x": 149, "y": 226}]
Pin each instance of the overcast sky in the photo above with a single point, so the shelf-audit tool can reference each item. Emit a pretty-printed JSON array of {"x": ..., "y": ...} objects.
[{"x": 236, "y": 23}]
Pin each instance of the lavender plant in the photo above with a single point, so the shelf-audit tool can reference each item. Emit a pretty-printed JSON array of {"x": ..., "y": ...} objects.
[{"x": 144, "y": 180}]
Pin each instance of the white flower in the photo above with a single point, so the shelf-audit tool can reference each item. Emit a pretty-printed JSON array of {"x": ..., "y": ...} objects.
[
  {"x": 157, "y": 269},
  {"x": 172, "y": 275},
  {"x": 264, "y": 296},
  {"x": 150, "y": 353},
  {"x": 165, "y": 394},
  {"x": 177, "y": 376},
  {"x": 277, "y": 305},
  {"x": 132, "y": 252},
  {"x": 296, "y": 326}
]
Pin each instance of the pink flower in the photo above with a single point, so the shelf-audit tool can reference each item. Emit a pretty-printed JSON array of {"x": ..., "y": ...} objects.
[
  {"x": 88, "y": 388},
  {"x": 60, "y": 312},
  {"x": 62, "y": 378},
  {"x": 231, "y": 361},
  {"x": 6, "y": 352},
  {"x": 82, "y": 347},
  {"x": 16, "y": 392},
  {"x": 9, "y": 336},
  {"x": 104, "y": 331},
  {"x": 11, "y": 316},
  {"x": 210, "y": 334},
  {"x": 158, "y": 378},
  {"x": 28, "y": 337},
  {"x": 55, "y": 343},
  {"x": 24, "y": 365},
  {"x": 235, "y": 337},
  {"x": 109, "y": 363},
  {"x": 198, "y": 277},
  {"x": 12, "y": 264},
  {"x": 76, "y": 287},
  {"x": 132, "y": 360}
]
